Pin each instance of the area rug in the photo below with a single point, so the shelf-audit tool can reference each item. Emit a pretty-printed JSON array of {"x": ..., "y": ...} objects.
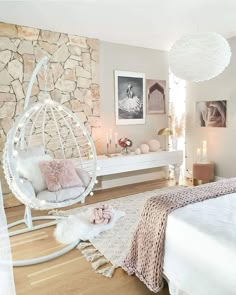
[{"x": 107, "y": 251}]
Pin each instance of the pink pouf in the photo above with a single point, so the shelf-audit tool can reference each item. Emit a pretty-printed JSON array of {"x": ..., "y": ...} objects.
[{"x": 101, "y": 214}]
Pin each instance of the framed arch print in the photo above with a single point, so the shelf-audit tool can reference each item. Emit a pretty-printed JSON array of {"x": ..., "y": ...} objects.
[
  {"x": 130, "y": 98},
  {"x": 156, "y": 96}
]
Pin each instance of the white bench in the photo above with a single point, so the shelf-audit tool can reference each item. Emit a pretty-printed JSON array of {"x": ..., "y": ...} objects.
[{"x": 132, "y": 162}]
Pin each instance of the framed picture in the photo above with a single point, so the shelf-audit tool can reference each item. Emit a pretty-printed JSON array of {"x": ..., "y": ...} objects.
[
  {"x": 156, "y": 96},
  {"x": 211, "y": 113},
  {"x": 130, "y": 102}
]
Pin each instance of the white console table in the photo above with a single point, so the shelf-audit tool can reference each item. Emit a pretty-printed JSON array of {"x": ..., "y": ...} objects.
[{"x": 132, "y": 162}]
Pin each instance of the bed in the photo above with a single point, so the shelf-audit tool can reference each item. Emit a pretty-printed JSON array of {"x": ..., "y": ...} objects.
[
  {"x": 190, "y": 239},
  {"x": 198, "y": 252},
  {"x": 200, "y": 248}
]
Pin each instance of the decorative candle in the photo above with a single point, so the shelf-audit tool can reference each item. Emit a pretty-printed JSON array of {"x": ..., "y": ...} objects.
[
  {"x": 110, "y": 135},
  {"x": 107, "y": 138},
  {"x": 199, "y": 155},
  {"x": 204, "y": 151},
  {"x": 116, "y": 138}
]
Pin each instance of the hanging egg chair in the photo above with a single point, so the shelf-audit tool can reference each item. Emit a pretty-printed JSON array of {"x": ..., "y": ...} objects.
[
  {"x": 47, "y": 128},
  {"x": 58, "y": 132},
  {"x": 55, "y": 129}
]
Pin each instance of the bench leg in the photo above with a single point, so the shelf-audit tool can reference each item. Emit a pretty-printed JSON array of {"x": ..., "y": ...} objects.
[{"x": 176, "y": 173}]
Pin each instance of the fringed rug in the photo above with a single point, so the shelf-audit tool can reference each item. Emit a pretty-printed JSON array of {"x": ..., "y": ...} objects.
[{"x": 109, "y": 249}]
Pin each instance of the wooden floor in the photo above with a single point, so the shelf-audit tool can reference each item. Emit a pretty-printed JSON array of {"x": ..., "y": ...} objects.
[{"x": 71, "y": 274}]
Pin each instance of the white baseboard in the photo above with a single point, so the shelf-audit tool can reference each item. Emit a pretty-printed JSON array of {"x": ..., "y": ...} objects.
[
  {"x": 217, "y": 178},
  {"x": 128, "y": 178}
]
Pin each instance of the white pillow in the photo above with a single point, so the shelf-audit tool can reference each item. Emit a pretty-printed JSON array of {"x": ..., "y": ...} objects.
[
  {"x": 34, "y": 151},
  {"x": 29, "y": 169},
  {"x": 84, "y": 176},
  {"x": 27, "y": 188}
]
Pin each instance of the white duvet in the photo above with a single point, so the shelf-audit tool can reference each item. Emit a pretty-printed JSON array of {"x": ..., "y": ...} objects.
[{"x": 200, "y": 248}]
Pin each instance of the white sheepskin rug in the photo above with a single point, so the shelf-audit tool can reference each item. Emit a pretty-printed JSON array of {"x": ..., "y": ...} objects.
[{"x": 79, "y": 227}]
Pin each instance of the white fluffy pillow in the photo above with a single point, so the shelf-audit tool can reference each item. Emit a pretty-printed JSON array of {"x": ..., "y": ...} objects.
[
  {"x": 29, "y": 169},
  {"x": 84, "y": 176},
  {"x": 35, "y": 151}
]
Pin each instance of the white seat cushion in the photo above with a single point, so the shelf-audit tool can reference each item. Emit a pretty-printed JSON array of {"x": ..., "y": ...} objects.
[{"x": 61, "y": 195}]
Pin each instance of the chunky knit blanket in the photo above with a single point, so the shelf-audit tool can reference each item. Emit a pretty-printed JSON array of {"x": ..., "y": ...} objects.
[{"x": 145, "y": 257}]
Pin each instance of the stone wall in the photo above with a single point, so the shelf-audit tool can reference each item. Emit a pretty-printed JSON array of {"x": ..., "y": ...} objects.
[{"x": 72, "y": 77}]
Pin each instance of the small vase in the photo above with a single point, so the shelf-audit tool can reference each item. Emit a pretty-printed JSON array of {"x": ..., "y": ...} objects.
[{"x": 125, "y": 151}]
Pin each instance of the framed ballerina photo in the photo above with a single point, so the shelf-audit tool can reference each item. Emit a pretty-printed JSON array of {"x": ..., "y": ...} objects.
[{"x": 130, "y": 102}]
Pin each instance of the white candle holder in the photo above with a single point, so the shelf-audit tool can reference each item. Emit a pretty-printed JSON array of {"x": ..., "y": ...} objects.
[
  {"x": 108, "y": 149},
  {"x": 199, "y": 156}
]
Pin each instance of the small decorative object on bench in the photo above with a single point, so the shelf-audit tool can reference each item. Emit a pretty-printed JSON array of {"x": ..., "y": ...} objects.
[
  {"x": 109, "y": 143},
  {"x": 154, "y": 145},
  {"x": 165, "y": 132},
  {"x": 144, "y": 148},
  {"x": 125, "y": 143},
  {"x": 137, "y": 151}
]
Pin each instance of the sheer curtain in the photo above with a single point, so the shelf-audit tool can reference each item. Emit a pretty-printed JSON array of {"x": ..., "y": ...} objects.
[{"x": 7, "y": 285}]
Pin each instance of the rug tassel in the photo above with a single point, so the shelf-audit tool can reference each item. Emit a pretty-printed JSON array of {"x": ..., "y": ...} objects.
[
  {"x": 94, "y": 257},
  {"x": 88, "y": 252},
  {"x": 99, "y": 263},
  {"x": 107, "y": 272},
  {"x": 57, "y": 212},
  {"x": 83, "y": 245}
]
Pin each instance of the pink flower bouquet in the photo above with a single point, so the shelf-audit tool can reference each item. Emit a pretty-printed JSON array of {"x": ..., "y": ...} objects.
[{"x": 125, "y": 143}]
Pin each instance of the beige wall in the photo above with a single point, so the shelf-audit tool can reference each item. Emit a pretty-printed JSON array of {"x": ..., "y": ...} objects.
[
  {"x": 135, "y": 59},
  {"x": 221, "y": 141}
]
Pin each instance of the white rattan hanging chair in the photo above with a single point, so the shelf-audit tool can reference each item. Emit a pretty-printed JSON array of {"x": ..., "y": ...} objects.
[
  {"x": 62, "y": 135},
  {"x": 54, "y": 127}
]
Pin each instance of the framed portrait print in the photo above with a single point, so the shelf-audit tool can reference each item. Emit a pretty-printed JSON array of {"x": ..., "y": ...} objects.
[
  {"x": 130, "y": 102},
  {"x": 211, "y": 113},
  {"x": 156, "y": 96}
]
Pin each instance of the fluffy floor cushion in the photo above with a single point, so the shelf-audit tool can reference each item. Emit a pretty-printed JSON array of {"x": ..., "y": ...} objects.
[{"x": 79, "y": 226}]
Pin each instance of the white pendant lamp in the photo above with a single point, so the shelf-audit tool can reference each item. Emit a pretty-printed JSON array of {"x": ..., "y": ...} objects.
[{"x": 199, "y": 57}]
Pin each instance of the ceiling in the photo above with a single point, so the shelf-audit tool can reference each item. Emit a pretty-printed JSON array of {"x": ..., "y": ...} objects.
[{"x": 145, "y": 23}]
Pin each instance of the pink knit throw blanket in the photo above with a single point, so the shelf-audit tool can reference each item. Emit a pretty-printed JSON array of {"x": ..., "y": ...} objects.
[{"x": 145, "y": 257}]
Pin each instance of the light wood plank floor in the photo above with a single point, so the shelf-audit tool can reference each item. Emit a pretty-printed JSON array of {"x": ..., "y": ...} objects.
[{"x": 71, "y": 274}]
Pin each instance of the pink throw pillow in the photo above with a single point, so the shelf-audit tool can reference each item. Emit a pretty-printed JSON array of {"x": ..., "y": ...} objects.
[{"x": 59, "y": 174}]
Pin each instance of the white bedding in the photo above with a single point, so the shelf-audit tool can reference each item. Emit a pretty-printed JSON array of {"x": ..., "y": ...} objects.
[{"x": 200, "y": 248}]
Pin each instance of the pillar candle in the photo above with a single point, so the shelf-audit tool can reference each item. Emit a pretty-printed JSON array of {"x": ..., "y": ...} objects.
[
  {"x": 199, "y": 155},
  {"x": 204, "y": 150},
  {"x": 110, "y": 135},
  {"x": 116, "y": 138}
]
